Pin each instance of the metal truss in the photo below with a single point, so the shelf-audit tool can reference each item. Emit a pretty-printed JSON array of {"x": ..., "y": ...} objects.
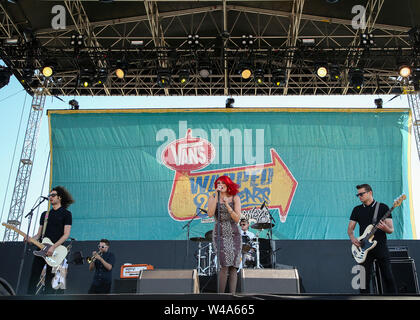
[
  {"x": 278, "y": 42},
  {"x": 23, "y": 176},
  {"x": 414, "y": 103}
]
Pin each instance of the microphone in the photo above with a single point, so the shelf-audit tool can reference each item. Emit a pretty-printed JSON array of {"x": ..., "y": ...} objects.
[
  {"x": 263, "y": 205},
  {"x": 203, "y": 210}
]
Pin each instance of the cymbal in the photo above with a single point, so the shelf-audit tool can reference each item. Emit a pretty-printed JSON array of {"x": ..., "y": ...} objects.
[
  {"x": 209, "y": 235},
  {"x": 199, "y": 239},
  {"x": 261, "y": 226}
]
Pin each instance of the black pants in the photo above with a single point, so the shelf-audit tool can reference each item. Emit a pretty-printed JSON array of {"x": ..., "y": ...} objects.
[
  {"x": 381, "y": 254},
  {"x": 37, "y": 266},
  {"x": 100, "y": 287}
]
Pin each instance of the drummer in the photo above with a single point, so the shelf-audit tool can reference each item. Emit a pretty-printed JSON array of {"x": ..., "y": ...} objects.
[{"x": 244, "y": 224}]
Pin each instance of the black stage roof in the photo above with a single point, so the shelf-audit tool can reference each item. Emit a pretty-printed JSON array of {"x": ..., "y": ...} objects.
[{"x": 281, "y": 42}]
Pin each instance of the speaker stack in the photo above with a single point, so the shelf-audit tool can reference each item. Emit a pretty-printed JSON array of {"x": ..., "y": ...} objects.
[{"x": 404, "y": 271}]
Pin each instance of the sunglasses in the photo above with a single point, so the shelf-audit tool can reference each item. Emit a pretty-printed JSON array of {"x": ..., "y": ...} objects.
[
  {"x": 102, "y": 247},
  {"x": 53, "y": 195},
  {"x": 361, "y": 194}
]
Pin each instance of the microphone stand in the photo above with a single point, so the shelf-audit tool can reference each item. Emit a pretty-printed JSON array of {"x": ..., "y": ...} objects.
[
  {"x": 273, "y": 262},
  {"x": 188, "y": 231},
  {"x": 22, "y": 259}
]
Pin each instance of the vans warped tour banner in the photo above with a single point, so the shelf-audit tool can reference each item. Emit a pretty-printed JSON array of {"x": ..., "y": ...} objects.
[{"x": 148, "y": 174}]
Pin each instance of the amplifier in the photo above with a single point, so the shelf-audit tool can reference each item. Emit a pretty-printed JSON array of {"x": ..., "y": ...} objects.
[
  {"x": 131, "y": 271},
  {"x": 400, "y": 252}
]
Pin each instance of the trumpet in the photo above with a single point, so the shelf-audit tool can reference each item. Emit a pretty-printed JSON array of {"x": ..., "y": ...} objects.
[{"x": 94, "y": 257}]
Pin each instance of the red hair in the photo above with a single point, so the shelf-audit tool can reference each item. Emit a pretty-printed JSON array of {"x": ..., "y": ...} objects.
[{"x": 232, "y": 187}]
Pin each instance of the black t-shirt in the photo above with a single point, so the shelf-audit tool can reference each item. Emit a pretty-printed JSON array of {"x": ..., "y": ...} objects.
[
  {"x": 57, "y": 219},
  {"x": 363, "y": 215}
]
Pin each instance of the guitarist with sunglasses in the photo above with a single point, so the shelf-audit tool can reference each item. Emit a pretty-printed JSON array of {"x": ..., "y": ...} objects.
[
  {"x": 57, "y": 228},
  {"x": 364, "y": 215}
]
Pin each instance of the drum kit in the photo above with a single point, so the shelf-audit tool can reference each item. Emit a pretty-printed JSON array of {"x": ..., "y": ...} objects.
[{"x": 207, "y": 258}]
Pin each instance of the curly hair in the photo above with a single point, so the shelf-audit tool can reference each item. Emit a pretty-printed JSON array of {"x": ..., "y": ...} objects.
[
  {"x": 232, "y": 187},
  {"x": 66, "y": 198}
]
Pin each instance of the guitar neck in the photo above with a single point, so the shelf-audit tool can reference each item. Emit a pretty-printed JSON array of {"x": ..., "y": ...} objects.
[
  {"x": 375, "y": 228},
  {"x": 23, "y": 234}
]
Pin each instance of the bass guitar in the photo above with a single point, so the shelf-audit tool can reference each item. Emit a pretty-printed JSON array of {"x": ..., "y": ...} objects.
[
  {"x": 366, "y": 239},
  {"x": 58, "y": 255}
]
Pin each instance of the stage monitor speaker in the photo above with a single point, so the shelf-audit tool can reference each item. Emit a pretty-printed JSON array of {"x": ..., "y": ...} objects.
[
  {"x": 284, "y": 281},
  {"x": 405, "y": 275},
  {"x": 168, "y": 281},
  {"x": 5, "y": 288}
]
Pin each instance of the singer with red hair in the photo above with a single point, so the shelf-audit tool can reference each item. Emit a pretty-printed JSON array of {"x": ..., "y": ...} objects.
[{"x": 226, "y": 234}]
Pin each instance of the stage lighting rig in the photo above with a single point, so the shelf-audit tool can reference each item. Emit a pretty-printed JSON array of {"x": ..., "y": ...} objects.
[
  {"x": 259, "y": 76},
  {"x": 184, "y": 75},
  {"x": 164, "y": 78},
  {"x": 321, "y": 70},
  {"x": 366, "y": 40},
  {"x": 356, "y": 78},
  {"x": 334, "y": 73},
  {"x": 405, "y": 71},
  {"x": 247, "y": 41}
]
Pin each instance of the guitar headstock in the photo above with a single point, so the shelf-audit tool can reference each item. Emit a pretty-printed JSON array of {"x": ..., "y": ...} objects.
[{"x": 399, "y": 200}]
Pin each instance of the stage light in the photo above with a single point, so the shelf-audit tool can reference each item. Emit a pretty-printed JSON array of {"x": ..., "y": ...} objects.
[
  {"x": 101, "y": 76},
  {"x": 193, "y": 40},
  {"x": 47, "y": 71},
  {"x": 246, "y": 72},
  {"x": 404, "y": 71},
  {"x": 356, "y": 78},
  {"x": 366, "y": 40},
  {"x": 121, "y": 70},
  {"x": 379, "y": 103},
  {"x": 86, "y": 78},
  {"x": 74, "y": 105},
  {"x": 247, "y": 41},
  {"x": 164, "y": 78},
  {"x": 279, "y": 77},
  {"x": 76, "y": 40},
  {"x": 4, "y": 77},
  {"x": 184, "y": 76},
  {"x": 229, "y": 102},
  {"x": 259, "y": 76},
  {"x": 334, "y": 73},
  {"x": 321, "y": 70}
]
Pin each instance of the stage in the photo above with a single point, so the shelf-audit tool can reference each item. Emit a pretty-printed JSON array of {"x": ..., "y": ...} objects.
[{"x": 321, "y": 269}]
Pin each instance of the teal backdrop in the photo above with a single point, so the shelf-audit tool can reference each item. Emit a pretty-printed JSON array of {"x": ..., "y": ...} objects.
[{"x": 110, "y": 161}]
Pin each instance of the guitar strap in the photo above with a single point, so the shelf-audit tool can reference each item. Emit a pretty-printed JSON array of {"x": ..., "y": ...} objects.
[
  {"x": 45, "y": 223},
  {"x": 375, "y": 215}
]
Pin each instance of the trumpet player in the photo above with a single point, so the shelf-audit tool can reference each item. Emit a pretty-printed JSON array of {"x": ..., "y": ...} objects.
[{"x": 102, "y": 262}]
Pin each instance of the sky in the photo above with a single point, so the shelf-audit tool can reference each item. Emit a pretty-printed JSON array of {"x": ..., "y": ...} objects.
[{"x": 15, "y": 105}]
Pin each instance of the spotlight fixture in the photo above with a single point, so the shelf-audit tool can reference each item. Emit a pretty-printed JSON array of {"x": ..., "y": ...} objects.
[
  {"x": 101, "y": 76},
  {"x": 164, "y": 78},
  {"x": 321, "y": 70},
  {"x": 229, "y": 102},
  {"x": 27, "y": 74},
  {"x": 204, "y": 69},
  {"x": 404, "y": 71},
  {"x": 247, "y": 41},
  {"x": 86, "y": 78},
  {"x": 4, "y": 77},
  {"x": 356, "y": 78},
  {"x": 334, "y": 73},
  {"x": 76, "y": 40},
  {"x": 259, "y": 76},
  {"x": 193, "y": 40},
  {"x": 121, "y": 69},
  {"x": 74, "y": 105},
  {"x": 366, "y": 40},
  {"x": 379, "y": 103},
  {"x": 48, "y": 70},
  {"x": 184, "y": 76},
  {"x": 279, "y": 77},
  {"x": 245, "y": 71}
]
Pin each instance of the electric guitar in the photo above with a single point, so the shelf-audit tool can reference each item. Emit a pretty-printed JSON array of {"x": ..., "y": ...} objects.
[
  {"x": 58, "y": 255},
  {"x": 366, "y": 239}
]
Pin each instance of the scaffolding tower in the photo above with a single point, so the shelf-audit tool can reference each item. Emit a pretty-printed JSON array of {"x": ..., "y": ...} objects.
[
  {"x": 23, "y": 176},
  {"x": 414, "y": 103}
]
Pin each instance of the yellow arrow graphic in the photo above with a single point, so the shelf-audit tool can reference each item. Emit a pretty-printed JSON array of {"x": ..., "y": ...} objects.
[{"x": 272, "y": 182}]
